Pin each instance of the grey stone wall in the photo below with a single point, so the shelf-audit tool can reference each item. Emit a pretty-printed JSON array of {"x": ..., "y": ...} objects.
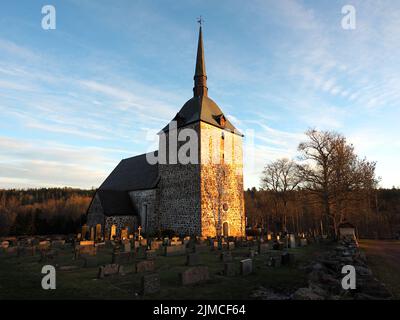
[
  {"x": 179, "y": 195},
  {"x": 147, "y": 198}
]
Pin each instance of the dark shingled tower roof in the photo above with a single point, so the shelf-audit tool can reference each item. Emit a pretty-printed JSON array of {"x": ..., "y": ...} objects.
[{"x": 201, "y": 107}]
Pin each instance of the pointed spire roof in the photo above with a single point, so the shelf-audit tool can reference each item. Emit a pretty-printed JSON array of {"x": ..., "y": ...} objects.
[
  {"x": 200, "y": 76},
  {"x": 201, "y": 107}
]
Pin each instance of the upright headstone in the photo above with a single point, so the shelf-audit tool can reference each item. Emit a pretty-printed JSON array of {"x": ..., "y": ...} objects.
[
  {"x": 195, "y": 275},
  {"x": 246, "y": 266},
  {"x": 145, "y": 266},
  {"x": 292, "y": 240},
  {"x": 150, "y": 283}
]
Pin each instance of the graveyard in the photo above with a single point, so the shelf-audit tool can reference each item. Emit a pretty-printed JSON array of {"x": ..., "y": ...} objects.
[{"x": 245, "y": 268}]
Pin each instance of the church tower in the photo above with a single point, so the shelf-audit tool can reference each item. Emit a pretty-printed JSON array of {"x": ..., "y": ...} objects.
[{"x": 203, "y": 195}]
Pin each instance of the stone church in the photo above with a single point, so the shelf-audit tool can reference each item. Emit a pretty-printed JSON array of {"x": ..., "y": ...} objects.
[{"x": 198, "y": 198}]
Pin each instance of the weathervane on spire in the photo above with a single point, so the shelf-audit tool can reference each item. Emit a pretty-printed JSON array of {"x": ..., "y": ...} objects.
[{"x": 200, "y": 20}]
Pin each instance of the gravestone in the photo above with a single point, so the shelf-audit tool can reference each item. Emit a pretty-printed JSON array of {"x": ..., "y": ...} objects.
[
  {"x": 124, "y": 233},
  {"x": 194, "y": 275},
  {"x": 292, "y": 241},
  {"x": 110, "y": 270},
  {"x": 151, "y": 254},
  {"x": 145, "y": 266},
  {"x": 5, "y": 244},
  {"x": 136, "y": 245},
  {"x": 90, "y": 250},
  {"x": 150, "y": 283},
  {"x": 92, "y": 235},
  {"x": 175, "y": 250},
  {"x": 201, "y": 248},
  {"x": 127, "y": 247},
  {"x": 120, "y": 257},
  {"x": 155, "y": 245},
  {"x": 246, "y": 266},
  {"x": 226, "y": 256},
  {"x": 229, "y": 269},
  {"x": 44, "y": 245},
  {"x": 263, "y": 248},
  {"x": 192, "y": 259},
  {"x": 303, "y": 242},
  {"x": 58, "y": 243},
  {"x": 231, "y": 245},
  {"x": 84, "y": 231}
]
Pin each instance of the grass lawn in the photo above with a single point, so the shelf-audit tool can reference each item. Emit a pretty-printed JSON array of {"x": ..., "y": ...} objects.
[{"x": 20, "y": 278}]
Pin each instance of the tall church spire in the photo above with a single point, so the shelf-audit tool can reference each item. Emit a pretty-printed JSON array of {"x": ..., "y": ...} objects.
[{"x": 200, "y": 77}]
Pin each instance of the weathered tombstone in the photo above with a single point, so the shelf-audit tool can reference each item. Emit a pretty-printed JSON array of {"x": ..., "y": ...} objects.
[
  {"x": 136, "y": 245},
  {"x": 127, "y": 247},
  {"x": 263, "y": 248},
  {"x": 151, "y": 254},
  {"x": 120, "y": 257},
  {"x": 58, "y": 243},
  {"x": 5, "y": 244},
  {"x": 98, "y": 232},
  {"x": 231, "y": 245},
  {"x": 109, "y": 270},
  {"x": 84, "y": 231},
  {"x": 145, "y": 266},
  {"x": 226, "y": 256},
  {"x": 150, "y": 283},
  {"x": 246, "y": 266},
  {"x": 155, "y": 245},
  {"x": 192, "y": 259},
  {"x": 292, "y": 241},
  {"x": 303, "y": 242},
  {"x": 175, "y": 250},
  {"x": 201, "y": 248},
  {"x": 87, "y": 249},
  {"x": 194, "y": 275},
  {"x": 124, "y": 233},
  {"x": 229, "y": 269},
  {"x": 44, "y": 245}
]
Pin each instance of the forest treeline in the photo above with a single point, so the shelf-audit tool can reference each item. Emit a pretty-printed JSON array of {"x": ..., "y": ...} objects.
[
  {"x": 43, "y": 211},
  {"x": 62, "y": 211},
  {"x": 376, "y": 217}
]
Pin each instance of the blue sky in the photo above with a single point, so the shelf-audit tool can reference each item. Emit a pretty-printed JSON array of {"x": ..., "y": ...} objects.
[{"x": 75, "y": 100}]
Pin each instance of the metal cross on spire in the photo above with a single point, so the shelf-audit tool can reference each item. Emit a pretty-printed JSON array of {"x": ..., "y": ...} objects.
[{"x": 200, "y": 20}]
